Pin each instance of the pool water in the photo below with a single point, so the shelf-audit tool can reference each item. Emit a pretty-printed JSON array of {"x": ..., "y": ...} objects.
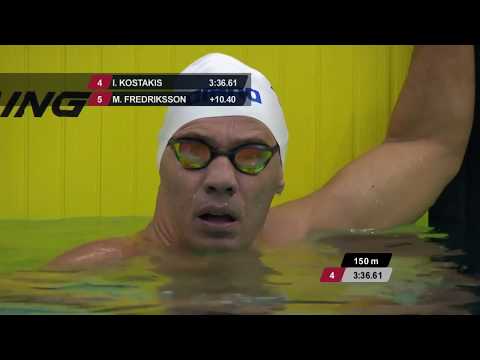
[{"x": 427, "y": 276}]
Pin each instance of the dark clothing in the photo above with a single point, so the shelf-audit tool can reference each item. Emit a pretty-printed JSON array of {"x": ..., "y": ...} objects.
[{"x": 457, "y": 210}]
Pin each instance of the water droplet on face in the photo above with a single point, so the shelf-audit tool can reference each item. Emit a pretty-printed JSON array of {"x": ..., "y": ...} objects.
[{"x": 167, "y": 294}]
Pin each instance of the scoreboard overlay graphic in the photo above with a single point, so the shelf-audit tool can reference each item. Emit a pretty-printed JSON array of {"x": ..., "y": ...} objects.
[
  {"x": 79, "y": 89},
  {"x": 360, "y": 268}
]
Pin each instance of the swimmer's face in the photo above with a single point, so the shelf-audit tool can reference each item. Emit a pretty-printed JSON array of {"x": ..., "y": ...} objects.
[{"x": 219, "y": 207}]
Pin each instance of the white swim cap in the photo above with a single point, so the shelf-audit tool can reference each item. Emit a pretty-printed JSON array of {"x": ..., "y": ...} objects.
[{"x": 264, "y": 107}]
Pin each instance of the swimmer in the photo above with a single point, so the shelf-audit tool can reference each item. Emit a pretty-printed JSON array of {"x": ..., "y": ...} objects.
[{"x": 220, "y": 167}]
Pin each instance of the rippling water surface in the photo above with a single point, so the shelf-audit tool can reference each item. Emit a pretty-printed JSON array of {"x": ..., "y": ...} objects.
[{"x": 427, "y": 277}]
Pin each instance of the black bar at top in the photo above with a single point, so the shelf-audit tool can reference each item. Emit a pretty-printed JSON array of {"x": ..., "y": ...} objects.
[
  {"x": 178, "y": 81},
  {"x": 378, "y": 34},
  {"x": 366, "y": 259}
]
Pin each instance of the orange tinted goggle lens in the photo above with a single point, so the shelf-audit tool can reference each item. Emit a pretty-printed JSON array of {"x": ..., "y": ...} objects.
[
  {"x": 252, "y": 160},
  {"x": 192, "y": 155}
]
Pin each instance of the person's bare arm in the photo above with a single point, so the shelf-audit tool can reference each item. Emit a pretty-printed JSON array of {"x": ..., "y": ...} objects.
[{"x": 396, "y": 182}]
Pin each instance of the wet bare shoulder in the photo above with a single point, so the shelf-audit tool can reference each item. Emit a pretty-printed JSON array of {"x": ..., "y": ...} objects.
[{"x": 98, "y": 253}]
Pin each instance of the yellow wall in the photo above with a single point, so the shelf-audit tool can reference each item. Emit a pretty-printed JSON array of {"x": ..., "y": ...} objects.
[{"x": 336, "y": 99}]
